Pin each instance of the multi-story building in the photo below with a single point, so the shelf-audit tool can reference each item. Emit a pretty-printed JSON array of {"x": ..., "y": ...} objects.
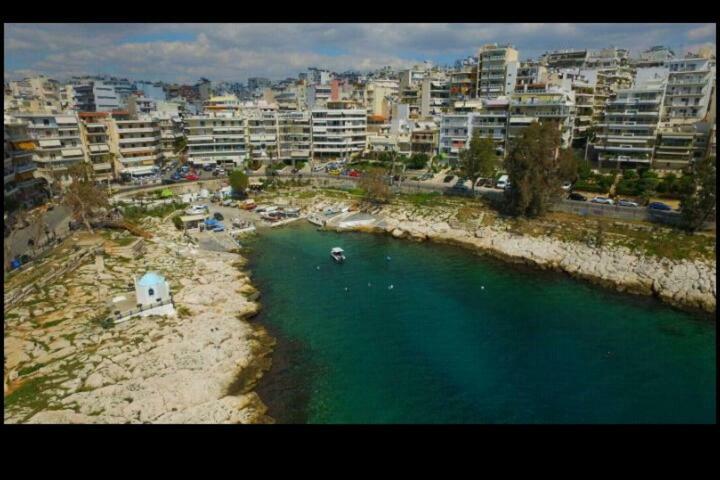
[
  {"x": 36, "y": 94},
  {"x": 435, "y": 95},
  {"x": 679, "y": 145},
  {"x": 171, "y": 132},
  {"x": 262, "y": 128},
  {"x": 689, "y": 88},
  {"x": 607, "y": 82},
  {"x": 222, "y": 104},
  {"x": 138, "y": 143},
  {"x": 379, "y": 95},
  {"x": 547, "y": 103},
  {"x": 425, "y": 138},
  {"x": 96, "y": 96},
  {"x": 463, "y": 82},
  {"x": 217, "y": 139},
  {"x": 294, "y": 136},
  {"x": 627, "y": 134},
  {"x": 565, "y": 58},
  {"x": 656, "y": 56},
  {"x": 338, "y": 132},
  {"x": 140, "y": 106},
  {"x": 584, "y": 109},
  {"x": 59, "y": 143},
  {"x": 497, "y": 70},
  {"x": 97, "y": 129},
  {"x": 19, "y": 182},
  {"x": 457, "y": 129},
  {"x": 529, "y": 73},
  {"x": 318, "y": 95},
  {"x": 607, "y": 58}
]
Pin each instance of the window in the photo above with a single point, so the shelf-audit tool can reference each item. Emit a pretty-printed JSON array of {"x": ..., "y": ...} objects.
[{"x": 151, "y": 292}]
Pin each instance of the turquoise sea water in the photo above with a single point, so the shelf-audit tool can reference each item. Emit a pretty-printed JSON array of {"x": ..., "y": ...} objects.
[{"x": 529, "y": 347}]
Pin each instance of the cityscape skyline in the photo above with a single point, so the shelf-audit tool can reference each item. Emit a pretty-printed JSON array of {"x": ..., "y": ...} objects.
[{"x": 234, "y": 52}]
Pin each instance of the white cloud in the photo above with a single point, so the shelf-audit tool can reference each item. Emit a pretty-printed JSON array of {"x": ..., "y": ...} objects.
[{"x": 702, "y": 32}]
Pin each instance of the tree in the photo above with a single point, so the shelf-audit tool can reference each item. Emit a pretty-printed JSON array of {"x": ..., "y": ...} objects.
[
  {"x": 698, "y": 205},
  {"x": 417, "y": 161},
  {"x": 239, "y": 181},
  {"x": 479, "y": 160},
  {"x": 567, "y": 165},
  {"x": 533, "y": 167},
  {"x": 375, "y": 187},
  {"x": 83, "y": 196}
]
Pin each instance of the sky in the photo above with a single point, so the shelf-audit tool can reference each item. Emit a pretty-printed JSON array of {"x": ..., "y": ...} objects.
[{"x": 184, "y": 53}]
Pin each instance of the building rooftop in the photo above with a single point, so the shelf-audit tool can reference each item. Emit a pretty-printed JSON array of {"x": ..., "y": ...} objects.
[{"x": 151, "y": 279}]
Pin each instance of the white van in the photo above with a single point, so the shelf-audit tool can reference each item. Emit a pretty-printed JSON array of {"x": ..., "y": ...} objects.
[{"x": 502, "y": 182}]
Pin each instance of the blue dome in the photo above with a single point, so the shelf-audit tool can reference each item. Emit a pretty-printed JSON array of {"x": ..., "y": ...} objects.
[{"x": 151, "y": 279}]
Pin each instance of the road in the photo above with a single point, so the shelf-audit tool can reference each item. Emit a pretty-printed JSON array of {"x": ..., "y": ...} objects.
[{"x": 57, "y": 220}]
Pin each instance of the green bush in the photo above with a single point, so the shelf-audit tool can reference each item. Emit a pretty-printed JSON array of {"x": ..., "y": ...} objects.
[
  {"x": 630, "y": 174},
  {"x": 177, "y": 222}
]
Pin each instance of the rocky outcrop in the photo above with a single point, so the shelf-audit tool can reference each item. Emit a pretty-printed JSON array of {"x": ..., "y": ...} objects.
[{"x": 686, "y": 284}]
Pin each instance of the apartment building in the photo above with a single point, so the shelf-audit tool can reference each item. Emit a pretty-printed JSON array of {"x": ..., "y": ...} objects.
[
  {"x": 425, "y": 138},
  {"x": 435, "y": 95},
  {"x": 97, "y": 133},
  {"x": 564, "y": 58},
  {"x": 19, "y": 182},
  {"x": 656, "y": 56},
  {"x": 529, "y": 73},
  {"x": 96, "y": 96},
  {"x": 547, "y": 103},
  {"x": 59, "y": 143},
  {"x": 463, "y": 82},
  {"x": 627, "y": 135},
  {"x": 457, "y": 129},
  {"x": 225, "y": 104},
  {"x": 584, "y": 109},
  {"x": 217, "y": 139},
  {"x": 338, "y": 132},
  {"x": 35, "y": 94},
  {"x": 318, "y": 95},
  {"x": 138, "y": 141},
  {"x": 379, "y": 95},
  {"x": 608, "y": 81},
  {"x": 262, "y": 129},
  {"x": 497, "y": 70},
  {"x": 171, "y": 131},
  {"x": 140, "y": 106},
  {"x": 689, "y": 87},
  {"x": 678, "y": 146},
  {"x": 607, "y": 58},
  {"x": 294, "y": 136}
]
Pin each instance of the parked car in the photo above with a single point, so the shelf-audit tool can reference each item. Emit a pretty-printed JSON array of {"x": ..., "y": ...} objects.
[
  {"x": 603, "y": 200},
  {"x": 215, "y": 173},
  {"x": 218, "y": 216},
  {"x": 334, "y": 172},
  {"x": 197, "y": 209},
  {"x": 221, "y": 171},
  {"x": 577, "y": 197},
  {"x": 660, "y": 206},
  {"x": 354, "y": 173},
  {"x": 208, "y": 167},
  {"x": 218, "y": 228},
  {"x": 627, "y": 203},
  {"x": 502, "y": 182},
  {"x": 192, "y": 177},
  {"x": 227, "y": 203},
  {"x": 566, "y": 186}
]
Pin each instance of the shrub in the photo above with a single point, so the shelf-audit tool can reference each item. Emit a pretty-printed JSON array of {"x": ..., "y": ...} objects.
[{"x": 177, "y": 222}]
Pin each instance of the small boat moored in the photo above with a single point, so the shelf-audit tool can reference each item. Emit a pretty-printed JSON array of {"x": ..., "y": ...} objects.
[{"x": 337, "y": 254}]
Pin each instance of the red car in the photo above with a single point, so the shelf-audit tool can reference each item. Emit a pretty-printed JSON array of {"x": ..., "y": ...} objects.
[
  {"x": 192, "y": 176},
  {"x": 354, "y": 173}
]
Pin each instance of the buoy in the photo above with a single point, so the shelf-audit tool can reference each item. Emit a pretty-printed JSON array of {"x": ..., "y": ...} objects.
[
  {"x": 388, "y": 258},
  {"x": 369, "y": 284},
  {"x": 317, "y": 268},
  {"x": 346, "y": 289},
  {"x": 482, "y": 287},
  {"x": 391, "y": 287}
]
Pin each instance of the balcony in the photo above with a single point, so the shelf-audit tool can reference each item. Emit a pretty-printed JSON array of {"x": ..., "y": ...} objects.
[
  {"x": 101, "y": 166},
  {"x": 152, "y": 148},
  {"x": 138, "y": 139}
]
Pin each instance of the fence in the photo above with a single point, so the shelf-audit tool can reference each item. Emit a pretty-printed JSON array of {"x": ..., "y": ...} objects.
[{"x": 120, "y": 316}]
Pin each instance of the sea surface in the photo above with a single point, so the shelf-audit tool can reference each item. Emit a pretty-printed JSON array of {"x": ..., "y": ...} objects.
[{"x": 425, "y": 333}]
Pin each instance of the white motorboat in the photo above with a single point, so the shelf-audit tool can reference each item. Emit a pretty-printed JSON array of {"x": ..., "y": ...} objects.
[
  {"x": 315, "y": 220},
  {"x": 337, "y": 254}
]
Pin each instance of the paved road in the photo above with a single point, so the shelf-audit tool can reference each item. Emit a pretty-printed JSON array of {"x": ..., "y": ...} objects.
[{"x": 57, "y": 220}]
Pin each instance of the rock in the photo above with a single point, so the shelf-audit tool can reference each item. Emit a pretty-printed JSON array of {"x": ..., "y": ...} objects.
[
  {"x": 398, "y": 233},
  {"x": 94, "y": 381}
]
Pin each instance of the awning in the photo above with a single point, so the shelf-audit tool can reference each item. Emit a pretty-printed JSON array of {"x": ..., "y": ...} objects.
[
  {"x": 66, "y": 120},
  {"x": 192, "y": 218},
  {"x": 140, "y": 170},
  {"x": 99, "y": 148},
  {"x": 50, "y": 143},
  {"x": 25, "y": 146},
  {"x": 71, "y": 152}
]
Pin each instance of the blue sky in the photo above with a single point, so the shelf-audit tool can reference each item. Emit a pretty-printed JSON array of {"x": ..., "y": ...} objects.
[{"x": 234, "y": 52}]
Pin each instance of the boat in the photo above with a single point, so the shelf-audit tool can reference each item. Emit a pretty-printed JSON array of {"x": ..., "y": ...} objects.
[
  {"x": 337, "y": 254},
  {"x": 315, "y": 220}
]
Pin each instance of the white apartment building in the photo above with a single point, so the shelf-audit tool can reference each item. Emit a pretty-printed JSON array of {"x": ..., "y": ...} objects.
[
  {"x": 547, "y": 103},
  {"x": 435, "y": 95},
  {"x": 564, "y": 58},
  {"x": 218, "y": 139},
  {"x": 529, "y": 73},
  {"x": 628, "y": 132},
  {"x": 338, "y": 133},
  {"x": 457, "y": 129},
  {"x": 36, "y": 94},
  {"x": 379, "y": 95},
  {"x": 584, "y": 109},
  {"x": 606, "y": 58},
  {"x": 225, "y": 104},
  {"x": 497, "y": 70},
  {"x": 171, "y": 131},
  {"x": 294, "y": 136},
  {"x": 138, "y": 143},
  {"x": 262, "y": 130},
  {"x": 59, "y": 143},
  {"x": 318, "y": 96},
  {"x": 689, "y": 88}
]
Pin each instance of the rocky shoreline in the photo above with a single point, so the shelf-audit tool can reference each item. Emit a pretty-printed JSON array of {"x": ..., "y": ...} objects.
[
  {"x": 685, "y": 284},
  {"x": 199, "y": 366}
]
